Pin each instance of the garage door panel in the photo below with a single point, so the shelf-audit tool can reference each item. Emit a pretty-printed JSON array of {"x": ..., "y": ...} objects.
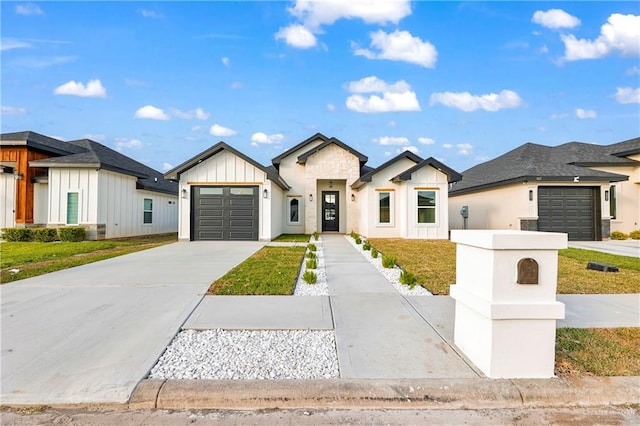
[
  {"x": 568, "y": 209},
  {"x": 225, "y": 213}
]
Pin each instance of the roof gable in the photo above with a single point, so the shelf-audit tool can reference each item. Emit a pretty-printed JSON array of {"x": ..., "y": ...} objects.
[
  {"x": 272, "y": 174},
  {"x": 452, "y": 175},
  {"x": 368, "y": 175},
  {"x": 277, "y": 160},
  {"x": 302, "y": 159},
  {"x": 38, "y": 142}
]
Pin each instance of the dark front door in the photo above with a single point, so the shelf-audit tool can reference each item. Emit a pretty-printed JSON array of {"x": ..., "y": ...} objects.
[{"x": 330, "y": 211}]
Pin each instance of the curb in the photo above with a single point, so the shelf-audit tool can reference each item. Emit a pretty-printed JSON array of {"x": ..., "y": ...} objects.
[{"x": 449, "y": 394}]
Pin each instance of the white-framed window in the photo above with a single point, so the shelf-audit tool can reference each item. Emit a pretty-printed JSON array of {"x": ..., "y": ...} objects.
[
  {"x": 73, "y": 206},
  {"x": 613, "y": 202},
  {"x": 427, "y": 206},
  {"x": 385, "y": 207},
  {"x": 294, "y": 207},
  {"x": 147, "y": 214}
]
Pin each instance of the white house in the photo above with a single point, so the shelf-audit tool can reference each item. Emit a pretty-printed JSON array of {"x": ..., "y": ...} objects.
[
  {"x": 46, "y": 182},
  {"x": 320, "y": 185},
  {"x": 582, "y": 189}
]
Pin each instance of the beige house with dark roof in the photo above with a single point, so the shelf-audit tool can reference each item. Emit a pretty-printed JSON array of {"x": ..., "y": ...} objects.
[
  {"x": 321, "y": 184},
  {"x": 585, "y": 190}
]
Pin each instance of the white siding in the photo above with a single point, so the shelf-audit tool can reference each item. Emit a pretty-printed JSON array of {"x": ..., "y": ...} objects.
[
  {"x": 8, "y": 197},
  {"x": 82, "y": 181},
  {"x": 40, "y": 203},
  {"x": 278, "y": 213},
  {"x": 428, "y": 177}
]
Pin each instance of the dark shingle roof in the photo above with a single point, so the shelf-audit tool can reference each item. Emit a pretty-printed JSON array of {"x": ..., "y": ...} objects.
[
  {"x": 88, "y": 153},
  {"x": 452, "y": 175},
  {"x": 628, "y": 147},
  {"x": 543, "y": 163},
  {"x": 333, "y": 141},
  {"x": 277, "y": 160},
  {"x": 272, "y": 173},
  {"x": 368, "y": 174}
]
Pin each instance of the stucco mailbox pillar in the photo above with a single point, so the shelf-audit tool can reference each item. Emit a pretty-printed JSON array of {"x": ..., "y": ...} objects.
[{"x": 506, "y": 308}]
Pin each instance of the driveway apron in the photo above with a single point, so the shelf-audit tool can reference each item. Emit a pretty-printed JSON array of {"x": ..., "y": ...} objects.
[
  {"x": 379, "y": 333},
  {"x": 89, "y": 334}
]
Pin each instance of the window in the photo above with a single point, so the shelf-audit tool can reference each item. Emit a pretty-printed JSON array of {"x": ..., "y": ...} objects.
[
  {"x": 72, "y": 208},
  {"x": 613, "y": 202},
  {"x": 384, "y": 207},
  {"x": 148, "y": 211},
  {"x": 426, "y": 206},
  {"x": 241, "y": 191},
  {"x": 294, "y": 210}
]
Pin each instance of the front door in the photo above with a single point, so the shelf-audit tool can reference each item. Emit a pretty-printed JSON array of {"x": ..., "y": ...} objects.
[{"x": 330, "y": 211}]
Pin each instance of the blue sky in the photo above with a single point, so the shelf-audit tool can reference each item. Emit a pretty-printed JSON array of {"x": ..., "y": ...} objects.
[{"x": 462, "y": 82}]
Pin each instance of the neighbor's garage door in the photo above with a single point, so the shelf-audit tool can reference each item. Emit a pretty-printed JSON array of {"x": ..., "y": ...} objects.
[
  {"x": 224, "y": 213},
  {"x": 573, "y": 210}
]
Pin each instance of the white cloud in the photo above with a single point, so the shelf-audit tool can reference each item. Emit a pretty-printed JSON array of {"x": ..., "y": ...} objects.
[
  {"x": 28, "y": 9},
  {"x": 392, "y": 123},
  {"x": 331, "y": 107},
  {"x": 314, "y": 14},
  {"x": 620, "y": 34},
  {"x": 395, "y": 97},
  {"x": 151, "y": 112},
  {"x": 95, "y": 137},
  {"x": 298, "y": 36},
  {"x": 426, "y": 141},
  {"x": 11, "y": 110},
  {"x": 124, "y": 143},
  {"x": 198, "y": 113},
  {"x": 467, "y": 102},
  {"x": 628, "y": 95},
  {"x": 465, "y": 148},
  {"x": 400, "y": 46},
  {"x": 634, "y": 70},
  {"x": 555, "y": 18},
  {"x": 447, "y": 146},
  {"x": 166, "y": 167},
  {"x": 410, "y": 148},
  {"x": 262, "y": 138},
  {"x": 225, "y": 61},
  {"x": 11, "y": 43},
  {"x": 221, "y": 131},
  {"x": 93, "y": 89},
  {"x": 151, "y": 14},
  {"x": 585, "y": 113},
  {"x": 392, "y": 140}
]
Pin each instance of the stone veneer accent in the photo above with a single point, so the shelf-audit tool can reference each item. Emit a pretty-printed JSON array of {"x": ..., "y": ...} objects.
[
  {"x": 605, "y": 228},
  {"x": 528, "y": 224}
]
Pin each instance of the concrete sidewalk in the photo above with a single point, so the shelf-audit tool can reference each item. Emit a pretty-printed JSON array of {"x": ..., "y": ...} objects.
[
  {"x": 619, "y": 247},
  {"x": 89, "y": 334}
]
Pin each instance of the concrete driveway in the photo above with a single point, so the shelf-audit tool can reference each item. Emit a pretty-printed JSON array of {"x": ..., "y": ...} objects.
[
  {"x": 90, "y": 333},
  {"x": 619, "y": 247}
]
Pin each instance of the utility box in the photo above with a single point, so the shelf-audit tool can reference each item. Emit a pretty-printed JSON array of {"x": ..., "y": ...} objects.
[{"x": 505, "y": 293}]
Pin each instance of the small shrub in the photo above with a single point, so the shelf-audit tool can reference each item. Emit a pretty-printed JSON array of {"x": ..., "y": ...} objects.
[
  {"x": 45, "y": 235},
  {"x": 311, "y": 255},
  {"x": 17, "y": 234},
  {"x": 366, "y": 246},
  {"x": 635, "y": 235},
  {"x": 312, "y": 264},
  {"x": 354, "y": 235},
  {"x": 358, "y": 240},
  {"x": 408, "y": 279},
  {"x": 316, "y": 236},
  {"x": 310, "y": 277},
  {"x": 374, "y": 253},
  {"x": 72, "y": 233},
  {"x": 312, "y": 247},
  {"x": 388, "y": 261},
  {"x": 617, "y": 235}
]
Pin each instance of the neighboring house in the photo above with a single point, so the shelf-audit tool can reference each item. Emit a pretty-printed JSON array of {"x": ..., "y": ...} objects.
[
  {"x": 320, "y": 185},
  {"x": 582, "y": 189},
  {"x": 48, "y": 182}
]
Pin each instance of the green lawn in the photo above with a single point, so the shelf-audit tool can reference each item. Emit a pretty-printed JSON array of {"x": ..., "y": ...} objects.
[
  {"x": 292, "y": 238},
  {"x": 33, "y": 258},
  {"x": 270, "y": 271}
]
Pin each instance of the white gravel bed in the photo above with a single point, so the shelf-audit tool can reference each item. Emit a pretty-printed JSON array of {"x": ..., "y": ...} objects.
[
  {"x": 391, "y": 274},
  {"x": 247, "y": 354},
  {"x": 320, "y": 287}
]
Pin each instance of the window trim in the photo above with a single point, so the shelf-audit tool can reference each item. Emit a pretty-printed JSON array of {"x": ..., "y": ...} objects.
[
  {"x": 290, "y": 199},
  {"x": 435, "y": 208},
  {"x": 613, "y": 203},
  {"x": 145, "y": 211},
  {"x": 391, "y": 193}
]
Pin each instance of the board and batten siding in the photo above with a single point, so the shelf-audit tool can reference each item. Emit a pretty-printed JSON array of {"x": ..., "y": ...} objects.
[
  {"x": 428, "y": 178},
  {"x": 8, "y": 195},
  {"x": 225, "y": 169},
  {"x": 84, "y": 182}
]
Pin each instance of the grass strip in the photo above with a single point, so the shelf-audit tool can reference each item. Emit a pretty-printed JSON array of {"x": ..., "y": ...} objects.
[
  {"x": 292, "y": 238},
  {"x": 598, "y": 351},
  {"x": 270, "y": 271}
]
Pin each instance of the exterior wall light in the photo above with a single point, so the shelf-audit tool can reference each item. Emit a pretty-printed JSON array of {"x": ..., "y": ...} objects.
[
  {"x": 353, "y": 197},
  {"x": 531, "y": 195},
  {"x": 606, "y": 195},
  {"x": 18, "y": 175},
  {"x": 184, "y": 193},
  {"x": 265, "y": 193},
  {"x": 310, "y": 197}
]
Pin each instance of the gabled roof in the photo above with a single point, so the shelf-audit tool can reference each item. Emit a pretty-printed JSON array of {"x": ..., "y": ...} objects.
[
  {"x": 277, "y": 160},
  {"x": 368, "y": 175},
  {"x": 93, "y": 154},
  {"x": 533, "y": 162},
  {"x": 38, "y": 142},
  {"x": 625, "y": 148},
  {"x": 302, "y": 159},
  {"x": 271, "y": 172},
  {"x": 452, "y": 175}
]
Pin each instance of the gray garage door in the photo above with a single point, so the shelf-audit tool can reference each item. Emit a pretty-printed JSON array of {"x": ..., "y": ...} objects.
[
  {"x": 574, "y": 210},
  {"x": 224, "y": 213}
]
